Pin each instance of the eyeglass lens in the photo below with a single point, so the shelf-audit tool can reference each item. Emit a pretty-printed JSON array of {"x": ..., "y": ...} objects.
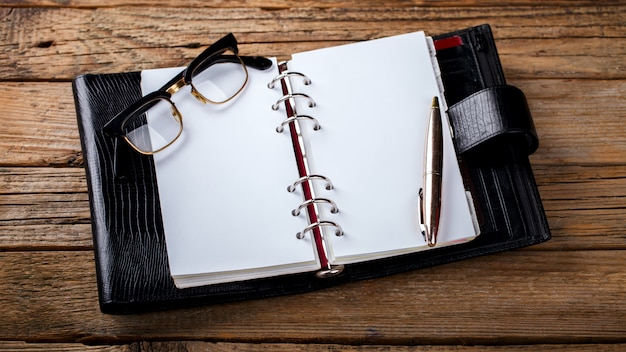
[
  {"x": 157, "y": 124},
  {"x": 156, "y": 130},
  {"x": 221, "y": 81}
]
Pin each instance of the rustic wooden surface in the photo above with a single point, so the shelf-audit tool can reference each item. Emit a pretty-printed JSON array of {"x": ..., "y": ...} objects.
[{"x": 567, "y": 294}]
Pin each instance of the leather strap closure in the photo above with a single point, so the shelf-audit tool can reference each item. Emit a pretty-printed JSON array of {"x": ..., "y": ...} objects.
[{"x": 493, "y": 116}]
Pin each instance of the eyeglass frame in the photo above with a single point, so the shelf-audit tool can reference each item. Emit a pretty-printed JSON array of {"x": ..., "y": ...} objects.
[{"x": 212, "y": 55}]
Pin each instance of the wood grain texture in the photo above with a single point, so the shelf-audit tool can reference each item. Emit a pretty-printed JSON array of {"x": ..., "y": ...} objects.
[
  {"x": 201, "y": 346},
  {"x": 517, "y": 297},
  {"x": 39, "y": 125},
  {"x": 131, "y": 38},
  {"x": 567, "y": 294},
  {"x": 283, "y": 4},
  {"x": 44, "y": 208}
]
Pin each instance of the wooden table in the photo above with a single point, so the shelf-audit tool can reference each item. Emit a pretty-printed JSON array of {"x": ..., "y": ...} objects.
[{"x": 568, "y": 56}]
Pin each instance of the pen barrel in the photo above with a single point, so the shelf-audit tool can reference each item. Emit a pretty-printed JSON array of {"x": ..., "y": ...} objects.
[
  {"x": 432, "y": 201},
  {"x": 433, "y": 152},
  {"x": 433, "y": 174}
]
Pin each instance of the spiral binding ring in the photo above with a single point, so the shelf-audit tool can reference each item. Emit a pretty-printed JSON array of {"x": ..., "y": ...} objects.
[
  {"x": 286, "y": 74},
  {"x": 292, "y": 187},
  {"x": 294, "y": 95},
  {"x": 316, "y": 125},
  {"x": 330, "y": 271},
  {"x": 333, "y": 209},
  {"x": 339, "y": 232}
]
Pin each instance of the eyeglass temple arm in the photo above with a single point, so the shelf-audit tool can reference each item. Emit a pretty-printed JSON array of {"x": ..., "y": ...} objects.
[{"x": 121, "y": 161}]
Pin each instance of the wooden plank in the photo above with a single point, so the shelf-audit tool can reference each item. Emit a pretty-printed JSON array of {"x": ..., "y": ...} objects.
[
  {"x": 518, "y": 297},
  {"x": 132, "y": 38},
  {"x": 64, "y": 347},
  {"x": 197, "y": 346},
  {"x": 44, "y": 208},
  {"x": 584, "y": 205},
  {"x": 283, "y": 4},
  {"x": 39, "y": 125},
  {"x": 64, "y": 236},
  {"x": 577, "y": 121}
]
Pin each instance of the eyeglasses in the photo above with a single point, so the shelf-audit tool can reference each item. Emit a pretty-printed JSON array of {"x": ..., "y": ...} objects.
[{"x": 216, "y": 76}]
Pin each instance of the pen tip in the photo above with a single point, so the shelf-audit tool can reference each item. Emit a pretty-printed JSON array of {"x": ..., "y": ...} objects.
[
  {"x": 435, "y": 104},
  {"x": 428, "y": 237}
]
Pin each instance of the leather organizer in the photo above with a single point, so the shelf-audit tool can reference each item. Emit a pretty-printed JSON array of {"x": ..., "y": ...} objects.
[{"x": 493, "y": 134}]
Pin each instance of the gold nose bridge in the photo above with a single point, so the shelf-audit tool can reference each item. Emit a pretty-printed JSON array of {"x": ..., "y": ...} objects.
[{"x": 176, "y": 86}]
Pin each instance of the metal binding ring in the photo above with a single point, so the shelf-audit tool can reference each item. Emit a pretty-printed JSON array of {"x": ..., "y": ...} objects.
[
  {"x": 294, "y": 95},
  {"x": 285, "y": 74},
  {"x": 292, "y": 187},
  {"x": 316, "y": 125},
  {"x": 333, "y": 209},
  {"x": 329, "y": 271},
  {"x": 339, "y": 232}
]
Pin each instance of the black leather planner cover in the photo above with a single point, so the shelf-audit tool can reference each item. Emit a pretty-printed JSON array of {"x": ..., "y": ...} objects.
[{"x": 493, "y": 135}]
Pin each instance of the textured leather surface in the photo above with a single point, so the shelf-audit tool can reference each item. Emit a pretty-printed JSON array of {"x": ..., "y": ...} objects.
[
  {"x": 493, "y": 116},
  {"x": 130, "y": 252},
  {"x": 125, "y": 216}
]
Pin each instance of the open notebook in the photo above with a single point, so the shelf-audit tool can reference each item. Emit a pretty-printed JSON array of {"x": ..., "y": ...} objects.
[
  {"x": 227, "y": 212},
  {"x": 493, "y": 136}
]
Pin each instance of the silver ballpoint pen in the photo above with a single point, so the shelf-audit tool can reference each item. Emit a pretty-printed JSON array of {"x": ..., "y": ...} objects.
[{"x": 433, "y": 167}]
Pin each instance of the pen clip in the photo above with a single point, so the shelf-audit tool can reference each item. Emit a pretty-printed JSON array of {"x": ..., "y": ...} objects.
[{"x": 420, "y": 206}]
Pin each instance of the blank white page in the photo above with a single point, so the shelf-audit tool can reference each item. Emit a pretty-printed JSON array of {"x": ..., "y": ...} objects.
[
  {"x": 222, "y": 186},
  {"x": 373, "y": 102}
]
